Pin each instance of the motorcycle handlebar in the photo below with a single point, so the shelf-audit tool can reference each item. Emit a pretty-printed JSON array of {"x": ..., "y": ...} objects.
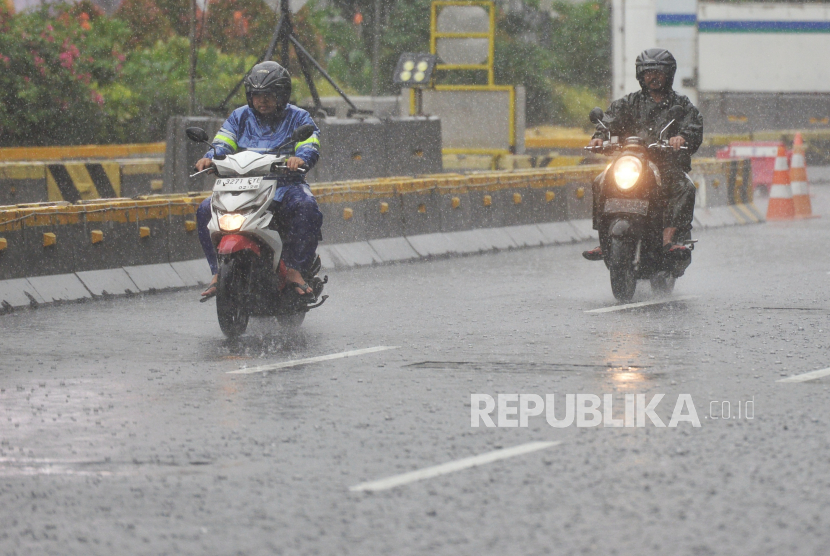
[
  {"x": 299, "y": 170},
  {"x": 666, "y": 147},
  {"x": 611, "y": 148},
  {"x": 199, "y": 173}
]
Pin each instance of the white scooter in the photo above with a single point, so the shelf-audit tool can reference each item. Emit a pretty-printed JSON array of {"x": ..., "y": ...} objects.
[{"x": 252, "y": 277}]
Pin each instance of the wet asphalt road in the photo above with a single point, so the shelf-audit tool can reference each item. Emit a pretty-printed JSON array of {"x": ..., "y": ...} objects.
[{"x": 122, "y": 433}]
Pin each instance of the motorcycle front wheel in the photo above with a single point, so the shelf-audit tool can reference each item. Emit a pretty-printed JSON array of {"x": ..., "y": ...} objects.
[
  {"x": 291, "y": 320},
  {"x": 662, "y": 283},
  {"x": 230, "y": 306},
  {"x": 621, "y": 266}
]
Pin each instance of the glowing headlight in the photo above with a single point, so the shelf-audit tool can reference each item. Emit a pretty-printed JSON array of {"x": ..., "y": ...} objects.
[
  {"x": 231, "y": 222},
  {"x": 627, "y": 171}
]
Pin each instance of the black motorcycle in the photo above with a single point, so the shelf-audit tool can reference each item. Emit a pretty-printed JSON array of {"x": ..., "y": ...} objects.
[{"x": 632, "y": 204}]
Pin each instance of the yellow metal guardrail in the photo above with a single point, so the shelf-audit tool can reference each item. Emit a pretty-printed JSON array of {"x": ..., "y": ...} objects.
[{"x": 10, "y": 154}]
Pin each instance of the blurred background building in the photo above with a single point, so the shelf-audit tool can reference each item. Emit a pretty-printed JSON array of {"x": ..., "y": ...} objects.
[{"x": 748, "y": 65}]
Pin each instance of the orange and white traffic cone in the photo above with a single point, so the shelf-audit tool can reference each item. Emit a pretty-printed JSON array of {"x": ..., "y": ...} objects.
[
  {"x": 798, "y": 180},
  {"x": 781, "y": 206}
]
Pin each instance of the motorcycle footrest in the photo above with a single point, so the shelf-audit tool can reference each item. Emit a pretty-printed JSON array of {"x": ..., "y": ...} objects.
[{"x": 310, "y": 307}]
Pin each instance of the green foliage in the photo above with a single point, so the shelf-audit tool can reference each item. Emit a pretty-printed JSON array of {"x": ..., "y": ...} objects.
[
  {"x": 240, "y": 26},
  {"x": 560, "y": 62},
  {"x": 349, "y": 46},
  {"x": 55, "y": 61},
  {"x": 572, "y": 104},
  {"x": 147, "y": 22},
  {"x": 154, "y": 85},
  {"x": 580, "y": 44},
  {"x": 522, "y": 63},
  {"x": 72, "y": 75},
  {"x": 346, "y": 57},
  {"x": 177, "y": 12}
]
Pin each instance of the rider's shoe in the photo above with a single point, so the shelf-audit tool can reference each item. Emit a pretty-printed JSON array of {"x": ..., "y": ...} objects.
[
  {"x": 676, "y": 251},
  {"x": 594, "y": 254},
  {"x": 211, "y": 289}
]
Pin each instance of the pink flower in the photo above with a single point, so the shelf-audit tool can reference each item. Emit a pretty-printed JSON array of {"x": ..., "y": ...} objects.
[
  {"x": 50, "y": 28},
  {"x": 66, "y": 59},
  {"x": 68, "y": 56},
  {"x": 97, "y": 98}
]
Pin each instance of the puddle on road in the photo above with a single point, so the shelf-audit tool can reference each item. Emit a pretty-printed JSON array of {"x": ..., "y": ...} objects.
[
  {"x": 520, "y": 366},
  {"x": 624, "y": 376}
]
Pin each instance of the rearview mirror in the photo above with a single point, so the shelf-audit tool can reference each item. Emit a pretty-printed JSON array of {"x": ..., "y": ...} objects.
[
  {"x": 302, "y": 133},
  {"x": 676, "y": 112},
  {"x": 197, "y": 134},
  {"x": 596, "y": 115}
]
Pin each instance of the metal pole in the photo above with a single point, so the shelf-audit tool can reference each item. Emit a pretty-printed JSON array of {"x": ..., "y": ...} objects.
[
  {"x": 193, "y": 52},
  {"x": 375, "y": 48},
  {"x": 302, "y": 51},
  {"x": 309, "y": 79},
  {"x": 288, "y": 30}
]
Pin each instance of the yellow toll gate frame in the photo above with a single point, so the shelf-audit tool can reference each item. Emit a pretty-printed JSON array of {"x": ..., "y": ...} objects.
[
  {"x": 434, "y": 35},
  {"x": 490, "y": 6}
]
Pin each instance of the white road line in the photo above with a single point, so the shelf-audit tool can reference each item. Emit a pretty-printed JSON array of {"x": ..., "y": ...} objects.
[
  {"x": 807, "y": 376},
  {"x": 642, "y": 304},
  {"x": 451, "y": 467},
  {"x": 297, "y": 362}
]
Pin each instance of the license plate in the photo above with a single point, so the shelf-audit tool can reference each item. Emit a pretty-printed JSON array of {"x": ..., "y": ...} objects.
[
  {"x": 633, "y": 206},
  {"x": 237, "y": 184}
]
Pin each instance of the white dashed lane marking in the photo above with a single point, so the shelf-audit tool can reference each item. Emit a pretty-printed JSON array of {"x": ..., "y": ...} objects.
[
  {"x": 642, "y": 304},
  {"x": 297, "y": 362},
  {"x": 451, "y": 467},
  {"x": 813, "y": 375}
]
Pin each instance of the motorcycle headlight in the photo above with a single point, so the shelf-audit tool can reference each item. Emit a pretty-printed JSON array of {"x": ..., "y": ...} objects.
[
  {"x": 627, "y": 171},
  {"x": 231, "y": 222}
]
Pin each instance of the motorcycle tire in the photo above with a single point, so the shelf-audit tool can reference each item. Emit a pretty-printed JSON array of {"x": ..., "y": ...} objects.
[
  {"x": 291, "y": 320},
  {"x": 230, "y": 307},
  {"x": 662, "y": 283},
  {"x": 621, "y": 267}
]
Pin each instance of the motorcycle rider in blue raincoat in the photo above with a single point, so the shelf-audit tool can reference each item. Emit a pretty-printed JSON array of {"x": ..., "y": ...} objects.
[{"x": 263, "y": 125}]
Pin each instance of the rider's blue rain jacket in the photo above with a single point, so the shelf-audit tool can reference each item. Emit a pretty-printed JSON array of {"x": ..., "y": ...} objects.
[{"x": 243, "y": 130}]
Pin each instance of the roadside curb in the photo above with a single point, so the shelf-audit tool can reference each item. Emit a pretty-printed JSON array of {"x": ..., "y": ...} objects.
[{"x": 130, "y": 280}]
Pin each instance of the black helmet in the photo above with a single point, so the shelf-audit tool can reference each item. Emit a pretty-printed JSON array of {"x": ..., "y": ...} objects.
[
  {"x": 269, "y": 77},
  {"x": 656, "y": 59}
]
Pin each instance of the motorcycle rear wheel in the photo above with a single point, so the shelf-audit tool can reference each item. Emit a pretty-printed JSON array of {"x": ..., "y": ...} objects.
[
  {"x": 662, "y": 283},
  {"x": 621, "y": 267},
  {"x": 230, "y": 307}
]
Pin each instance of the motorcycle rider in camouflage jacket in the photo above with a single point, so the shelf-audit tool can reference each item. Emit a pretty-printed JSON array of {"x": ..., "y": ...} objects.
[{"x": 645, "y": 113}]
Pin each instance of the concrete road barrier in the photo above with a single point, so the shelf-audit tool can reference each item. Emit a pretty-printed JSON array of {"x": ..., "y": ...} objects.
[
  {"x": 62, "y": 251},
  {"x": 75, "y": 181}
]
